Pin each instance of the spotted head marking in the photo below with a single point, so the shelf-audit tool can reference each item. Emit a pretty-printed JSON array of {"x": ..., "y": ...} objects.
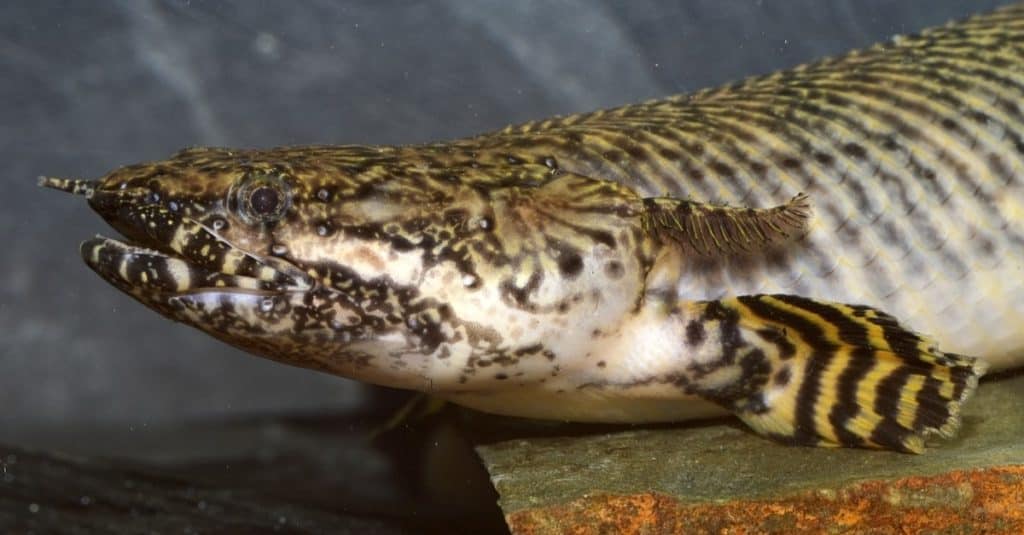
[{"x": 400, "y": 266}]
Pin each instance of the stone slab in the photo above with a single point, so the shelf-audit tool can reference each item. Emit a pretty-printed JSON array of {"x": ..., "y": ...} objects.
[{"x": 721, "y": 477}]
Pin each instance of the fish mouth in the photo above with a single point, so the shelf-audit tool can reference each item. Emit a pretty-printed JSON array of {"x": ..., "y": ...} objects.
[
  {"x": 187, "y": 272},
  {"x": 186, "y": 259},
  {"x": 150, "y": 273},
  {"x": 240, "y": 309},
  {"x": 165, "y": 254}
]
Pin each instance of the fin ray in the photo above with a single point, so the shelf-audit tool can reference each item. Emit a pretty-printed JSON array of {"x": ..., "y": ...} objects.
[
  {"x": 725, "y": 230},
  {"x": 844, "y": 375}
]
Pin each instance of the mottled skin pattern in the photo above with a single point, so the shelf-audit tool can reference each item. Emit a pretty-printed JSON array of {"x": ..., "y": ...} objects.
[
  {"x": 418, "y": 267},
  {"x": 560, "y": 269},
  {"x": 416, "y": 271}
]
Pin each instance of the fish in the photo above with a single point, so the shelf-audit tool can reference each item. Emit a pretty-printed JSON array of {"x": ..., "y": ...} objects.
[{"x": 833, "y": 253}]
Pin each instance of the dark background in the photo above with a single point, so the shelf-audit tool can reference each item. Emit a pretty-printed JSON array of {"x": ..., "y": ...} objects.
[{"x": 89, "y": 86}]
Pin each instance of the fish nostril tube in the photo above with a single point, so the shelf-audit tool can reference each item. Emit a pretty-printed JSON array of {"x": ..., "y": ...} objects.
[{"x": 70, "y": 185}]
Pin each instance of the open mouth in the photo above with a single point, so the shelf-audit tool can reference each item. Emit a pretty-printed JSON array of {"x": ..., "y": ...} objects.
[
  {"x": 167, "y": 255},
  {"x": 189, "y": 273},
  {"x": 130, "y": 266}
]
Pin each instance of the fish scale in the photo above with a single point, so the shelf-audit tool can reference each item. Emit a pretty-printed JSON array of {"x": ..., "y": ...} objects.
[
  {"x": 911, "y": 152},
  {"x": 832, "y": 253}
]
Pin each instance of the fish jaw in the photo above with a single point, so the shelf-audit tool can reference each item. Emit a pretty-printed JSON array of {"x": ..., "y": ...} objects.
[
  {"x": 308, "y": 326},
  {"x": 350, "y": 261}
]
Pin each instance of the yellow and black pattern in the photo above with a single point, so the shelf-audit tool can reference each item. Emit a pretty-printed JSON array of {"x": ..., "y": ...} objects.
[
  {"x": 828, "y": 374},
  {"x": 538, "y": 262}
]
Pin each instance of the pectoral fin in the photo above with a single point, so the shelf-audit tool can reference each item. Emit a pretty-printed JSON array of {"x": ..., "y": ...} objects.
[
  {"x": 827, "y": 374},
  {"x": 715, "y": 230}
]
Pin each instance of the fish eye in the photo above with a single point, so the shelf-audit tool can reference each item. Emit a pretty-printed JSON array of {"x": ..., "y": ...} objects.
[
  {"x": 262, "y": 197},
  {"x": 264, "y": 200}
]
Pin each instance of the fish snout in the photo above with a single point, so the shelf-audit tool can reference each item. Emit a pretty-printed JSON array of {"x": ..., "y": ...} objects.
[{"x": 74, "y": 186}]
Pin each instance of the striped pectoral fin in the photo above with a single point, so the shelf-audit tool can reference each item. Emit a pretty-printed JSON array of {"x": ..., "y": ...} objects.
[
  {"x": 827, "y": 374},
  {"x": 722, "y": 230}
]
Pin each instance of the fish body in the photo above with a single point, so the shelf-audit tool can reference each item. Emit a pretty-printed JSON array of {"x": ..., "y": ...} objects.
[{"x": 771, "y": 248}]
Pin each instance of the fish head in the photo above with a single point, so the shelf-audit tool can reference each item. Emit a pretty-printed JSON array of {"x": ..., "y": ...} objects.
[{"x": 371, "y": 263}]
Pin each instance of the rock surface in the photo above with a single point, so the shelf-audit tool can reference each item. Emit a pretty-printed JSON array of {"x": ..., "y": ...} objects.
[
  {"x": 720, "y": 477},
  {"x": 44, "y": 493},
  {"x": 285, "y": 474},
  {"x": 321, "y": 474}
]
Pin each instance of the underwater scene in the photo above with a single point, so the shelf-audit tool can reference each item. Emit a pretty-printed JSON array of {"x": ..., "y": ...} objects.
[{"x": 528, "y": 267}]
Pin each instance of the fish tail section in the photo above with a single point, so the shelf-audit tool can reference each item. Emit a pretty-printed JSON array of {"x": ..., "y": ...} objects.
[{"x": 827, "y": 374}]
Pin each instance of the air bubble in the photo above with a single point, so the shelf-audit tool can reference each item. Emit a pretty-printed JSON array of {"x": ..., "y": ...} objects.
[
  {"x": 468, "y": 280},
  {"x": 173, "y": 206},
  {"x": 279, "y": 249},
  {"x": 321, "y": 230},
  {"x": 217, "y": 224},
  {"x": 323, "y": 194},
  {"x": 267, "y": 304}
]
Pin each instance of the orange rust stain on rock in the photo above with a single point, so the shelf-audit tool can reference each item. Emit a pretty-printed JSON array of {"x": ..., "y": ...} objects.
[{"x": 974, "y": 501}]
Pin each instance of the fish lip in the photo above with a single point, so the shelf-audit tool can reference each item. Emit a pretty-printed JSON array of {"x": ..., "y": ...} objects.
[
  {"x": 149, "y": 273},
  {"x": 134, "y": 212},
  {"x": 296, "y": 278},
  {"x": 150, "y": 225}
]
